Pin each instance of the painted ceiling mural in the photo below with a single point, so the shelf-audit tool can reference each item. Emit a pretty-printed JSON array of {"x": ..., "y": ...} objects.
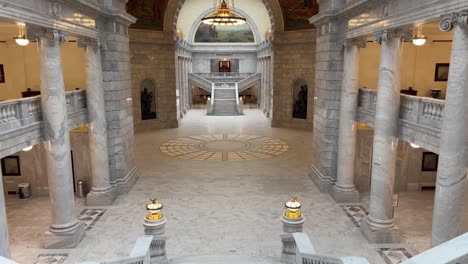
[
  {"x": 296, "y": 13},
  {"x": 150, "y": 13}
]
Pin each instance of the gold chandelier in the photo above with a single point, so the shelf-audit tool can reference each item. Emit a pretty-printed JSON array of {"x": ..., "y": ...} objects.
[{"x": 224, "y": 16}]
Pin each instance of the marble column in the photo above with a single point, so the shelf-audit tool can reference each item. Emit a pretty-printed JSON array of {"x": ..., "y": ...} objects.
[
  {"x": 267, "y": 87},
  {"x": 101, "y": 190},
  {"x": 177, "y": 82},
  {"x": 66, "y": 231},
  {"x": 452, "y": 169},
  {"x": 4, "y": 237},
  {"x": 378, "y": 226},
  {"x": 344, "y": 189}
]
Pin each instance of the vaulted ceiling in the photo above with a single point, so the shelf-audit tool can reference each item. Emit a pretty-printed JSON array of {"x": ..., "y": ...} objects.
[{"x": 150, "y": 13}]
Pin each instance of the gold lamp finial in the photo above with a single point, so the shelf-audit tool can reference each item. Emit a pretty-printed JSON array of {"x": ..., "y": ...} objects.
[
  {"x": 292, "y": 208},
  {"x": 154, "y": 208}
]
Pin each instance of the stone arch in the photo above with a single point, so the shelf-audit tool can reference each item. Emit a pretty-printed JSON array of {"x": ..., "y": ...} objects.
[
  {"x": 174, "y": 6},
  {"x": 300, "y": 101},
  {"x": 148, "y": 99}
]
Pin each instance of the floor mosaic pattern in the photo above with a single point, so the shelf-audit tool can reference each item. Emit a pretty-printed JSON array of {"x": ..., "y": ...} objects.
[
  {"x": 394, "y": 255},
  {"x": 90, "y": 216},
  {"x": 355, "y": 212},
  {"x": 224, "y": 147},
  {"x": 51, "y": 258}
]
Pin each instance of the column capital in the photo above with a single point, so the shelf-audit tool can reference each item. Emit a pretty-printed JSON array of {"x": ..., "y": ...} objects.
[
  {"x": 88, "y": 42},
  {"x": 35, "y": 33},
  {"x": 405, "y": 34},
  {"x": 359, "y": 42},
  {"x": 449, "y": 21}
]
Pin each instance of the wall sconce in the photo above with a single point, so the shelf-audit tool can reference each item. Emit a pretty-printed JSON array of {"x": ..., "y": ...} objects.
[
  {"x": 419, "y": 39},
  {"x": 292, "y": 208},
  {"x": 28, "y": 148},
  {"x": 154, "y": 208},
  {"x": 414, "y": 145},
  {"x": 21, "y": 38}
]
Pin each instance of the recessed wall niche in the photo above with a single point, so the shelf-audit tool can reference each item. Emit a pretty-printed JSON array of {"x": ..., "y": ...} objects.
[
  {"x": 148, "y": 100},
  {"x": 300, "y": 94}
]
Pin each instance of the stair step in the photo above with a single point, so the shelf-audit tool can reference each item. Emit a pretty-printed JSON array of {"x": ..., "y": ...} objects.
[{"x": 225, "y": 260}]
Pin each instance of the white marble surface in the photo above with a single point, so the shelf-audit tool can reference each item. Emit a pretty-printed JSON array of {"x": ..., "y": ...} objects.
[
  {"x": 4, "y": 238},
  {"x": 348, "y": 124},
  {"x": 452, "y": 174},
  {"x": 385, "y": 136},
  {"x": 57, "y": 144},
  {"x": 99, "y": 157}
]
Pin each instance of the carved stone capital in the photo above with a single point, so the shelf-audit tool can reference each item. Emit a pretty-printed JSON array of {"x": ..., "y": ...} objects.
[
  {"x": 400, "y": 33},
  {"x": 359, "y": 42},
  {"x": 448, "y": 22},
  {"x": 88, "y": 42},
  {"x": 48, "y": 33}
]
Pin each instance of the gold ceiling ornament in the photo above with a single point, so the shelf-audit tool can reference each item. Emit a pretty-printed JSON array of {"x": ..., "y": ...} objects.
[
  {"x": 154, "y": 208},
  {"x": 292, "y": 208},
  {"x": 224, "y": 16}
]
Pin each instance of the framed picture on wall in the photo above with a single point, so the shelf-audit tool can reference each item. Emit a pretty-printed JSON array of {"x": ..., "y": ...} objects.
[
  {"x": 11, "y": 166},
  {"x": 2, "y": 74},
  {"x": 441, "y": 72},
  {"x": 429, "y": 161}
]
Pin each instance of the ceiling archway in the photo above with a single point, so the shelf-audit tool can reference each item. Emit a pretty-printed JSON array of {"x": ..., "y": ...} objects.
[{"x": 163, "y": 14}]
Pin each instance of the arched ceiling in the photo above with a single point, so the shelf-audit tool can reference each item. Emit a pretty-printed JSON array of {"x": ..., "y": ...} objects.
[{"x": 150, "y": 13}]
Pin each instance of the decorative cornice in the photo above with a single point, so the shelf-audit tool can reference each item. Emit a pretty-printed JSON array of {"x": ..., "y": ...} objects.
[
  {"x": 88, "y": 42},
  {"x": 35, "y": 33},
  {"x": 448, "y": 22},
  {"x": 359, "y": 42},
  {"x": 402, "y": 33}
]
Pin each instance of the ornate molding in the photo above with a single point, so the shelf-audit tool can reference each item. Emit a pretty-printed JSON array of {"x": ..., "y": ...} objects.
[
  {"x": 448, "y": 22},
  {"x": 88, "y": 42},
  {"x": 402, "y": 33},
  {"x": 50, "y": 34},
  {"x": 359, "y": 42}
]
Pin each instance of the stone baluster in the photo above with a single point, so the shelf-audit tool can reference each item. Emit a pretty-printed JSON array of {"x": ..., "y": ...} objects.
[
  {"x": 4, "y": 237},
  {"x": 101, "y": 190},
  {"x": 378, "y": 226},
  {"x": 452, "y": 169},
  {"x": 66, "y": 231},
  {"x": 344, "y": 189}
]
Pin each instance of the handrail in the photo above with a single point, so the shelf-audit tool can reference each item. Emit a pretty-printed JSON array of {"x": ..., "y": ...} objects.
[
  {"x": 224, "y": 75},
  {"x": 212, "y": 93},
  {"x": 237, "y": 93}
]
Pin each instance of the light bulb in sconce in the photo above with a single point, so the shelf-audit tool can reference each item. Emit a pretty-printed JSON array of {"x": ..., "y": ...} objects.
[
  {"x": 28, "y": 148},
  {"x": 419, "y": 39},
  {"x": 414, "y": 145},
  {"x": 21, "y": 38}
]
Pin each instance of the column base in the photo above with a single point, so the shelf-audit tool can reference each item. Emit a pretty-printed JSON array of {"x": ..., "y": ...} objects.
[
  {"x": 390, "y": 235},
  {"x": 323, "y": 183},
  {"x": 67, "y": 239},
  {"x": 97, "y": 198},
  {"x": 344, "y": 196}
]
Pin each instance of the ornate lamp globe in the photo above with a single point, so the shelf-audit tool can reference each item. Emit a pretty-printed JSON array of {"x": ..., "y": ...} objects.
[
  {"x": 224, "y": 16},
  {"x": 21, "y": 38},
  {"x": 292, "y": 208},
  {"x": 154, "y": 208}
]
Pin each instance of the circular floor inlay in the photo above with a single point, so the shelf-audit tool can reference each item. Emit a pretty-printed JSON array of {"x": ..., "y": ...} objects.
[{"x": 224, "y": 147}]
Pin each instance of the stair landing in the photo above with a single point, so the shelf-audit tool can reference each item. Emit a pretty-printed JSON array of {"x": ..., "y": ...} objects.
[{"x": 225, "y": 260}]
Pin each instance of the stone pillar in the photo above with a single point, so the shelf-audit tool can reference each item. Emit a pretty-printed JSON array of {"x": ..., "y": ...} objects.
[
  {"x": 451, "y": 174},
  {"x": 4, "y": 237},
  {"x": 378, "y": 226},
  {"x": 101, "y": 190},
  {"x": 267, "y": 87},
  {"x": 177, "y": 70},
  {"x": 344, "y": 189},
  {"x": 66, "y": 231}
]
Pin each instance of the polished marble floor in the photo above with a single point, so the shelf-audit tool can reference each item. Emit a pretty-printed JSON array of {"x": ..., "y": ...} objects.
[{"x": 216, "y": 207}]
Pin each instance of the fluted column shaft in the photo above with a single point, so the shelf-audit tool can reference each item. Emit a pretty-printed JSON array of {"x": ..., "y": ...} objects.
[
  {"x": 451, "y": 174},
  {"x": 4, "y": 237},
  {"x": 57, "y": 143},
  {"x": 380, "y": 218},
  {"x": 344, "y": 189},
  {"x": 101, "y": 189}
]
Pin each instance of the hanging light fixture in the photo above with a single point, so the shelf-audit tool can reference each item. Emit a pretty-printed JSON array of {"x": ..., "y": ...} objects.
[
  {"x": 419, "y": 39},
  {"x": 21, "y": 38},
  {"x": 224, "y": 16}
]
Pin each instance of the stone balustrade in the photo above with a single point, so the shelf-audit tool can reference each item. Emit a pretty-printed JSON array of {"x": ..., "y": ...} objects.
[
  {"x": 420, "y": 117},
  {"x": 21, "y": 120}
]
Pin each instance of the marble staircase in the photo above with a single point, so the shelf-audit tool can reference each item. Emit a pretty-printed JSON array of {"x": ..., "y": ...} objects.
[
  {"x": 225, "y": 260},
  {"x": 225, "y": 102}
]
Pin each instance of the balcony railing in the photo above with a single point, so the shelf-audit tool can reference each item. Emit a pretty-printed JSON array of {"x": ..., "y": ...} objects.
[
  {"x": 420, "y": 117},
  {"x": 233, "y": 75}
]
